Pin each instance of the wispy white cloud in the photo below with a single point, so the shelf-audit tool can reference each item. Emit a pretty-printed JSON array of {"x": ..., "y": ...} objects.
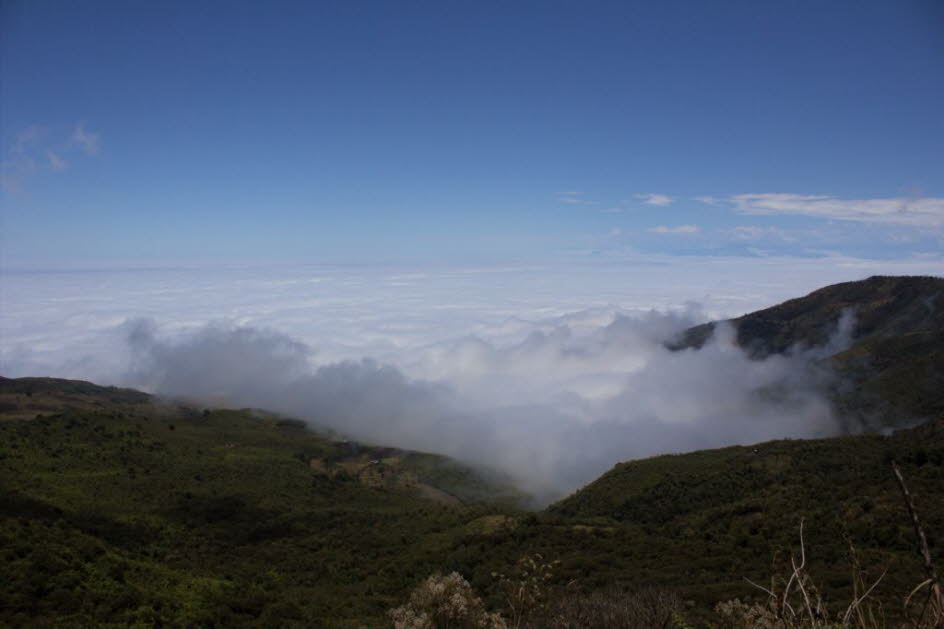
[
  {"x": 85, "y": 140},
  {"x": 56, "y": 162},
  {"x": 755, "y": 232},
  {"x": 653, "y": 198},
  {"x": 36, "y": 150},
  {"x": 574, "y": 198},
  {"x": 916, "y": 212},
  {"x": 708, "y": 200},
  {"x": 679, "y": 229}
]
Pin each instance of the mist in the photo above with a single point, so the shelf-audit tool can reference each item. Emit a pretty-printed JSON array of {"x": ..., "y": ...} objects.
[{"x": 552, "y": 403}]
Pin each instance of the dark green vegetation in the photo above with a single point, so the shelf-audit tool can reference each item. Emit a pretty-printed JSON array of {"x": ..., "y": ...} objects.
[
  {"x": 712, "y": 517},
  {"x": 892, "y": 374},
  {"x": 125, "y": 510},
  {"x": 119, "y": 509},
  {"x": 140, "y": 512}
]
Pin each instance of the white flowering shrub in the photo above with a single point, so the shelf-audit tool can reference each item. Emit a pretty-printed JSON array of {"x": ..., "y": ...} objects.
[{"x": 445, "y": 602}]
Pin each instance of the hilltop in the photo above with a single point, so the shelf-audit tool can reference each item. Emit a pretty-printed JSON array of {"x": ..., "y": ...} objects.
[{"x": 891, "y": 369}]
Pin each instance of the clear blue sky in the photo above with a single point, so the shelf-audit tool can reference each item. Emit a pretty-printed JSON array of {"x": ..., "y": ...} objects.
[{"x": 141, "y": 132}]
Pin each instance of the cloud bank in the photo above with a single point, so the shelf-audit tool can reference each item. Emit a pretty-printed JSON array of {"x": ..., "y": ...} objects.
[{"x": 553, "y": 411}]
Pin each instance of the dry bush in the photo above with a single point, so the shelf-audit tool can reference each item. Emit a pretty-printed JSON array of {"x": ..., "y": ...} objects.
[
  {"x": 925, "y": 606},
  {"x": 526, "y": 590}
]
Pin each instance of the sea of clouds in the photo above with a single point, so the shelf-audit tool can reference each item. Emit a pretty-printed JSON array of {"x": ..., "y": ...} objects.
[{"x": 549, "y": 373}]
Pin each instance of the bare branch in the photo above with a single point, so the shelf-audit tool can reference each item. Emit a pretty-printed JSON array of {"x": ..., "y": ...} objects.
[
  {"x": 855, "y": 603},
  {"x": 933, "y": 579}
]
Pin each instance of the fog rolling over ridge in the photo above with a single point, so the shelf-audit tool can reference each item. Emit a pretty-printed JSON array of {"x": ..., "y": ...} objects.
[{"x": 553, "y": 410}]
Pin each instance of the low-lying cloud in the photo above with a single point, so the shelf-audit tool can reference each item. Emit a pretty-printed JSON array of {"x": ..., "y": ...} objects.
[{"x": 553, "y": 410}]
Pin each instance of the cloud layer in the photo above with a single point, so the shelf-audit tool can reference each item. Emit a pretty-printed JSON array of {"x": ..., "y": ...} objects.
[{"x": 554, "y": 410}]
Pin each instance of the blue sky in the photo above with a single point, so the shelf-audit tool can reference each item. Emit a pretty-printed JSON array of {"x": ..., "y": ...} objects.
[
  {"x": 365, "y": 132},
  {"x": 514, "y": 202}
]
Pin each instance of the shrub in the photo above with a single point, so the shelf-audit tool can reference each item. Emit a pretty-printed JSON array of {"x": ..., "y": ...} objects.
[
  {"x": 445, "y": 602},
  {"x": 615, "y": 609}
]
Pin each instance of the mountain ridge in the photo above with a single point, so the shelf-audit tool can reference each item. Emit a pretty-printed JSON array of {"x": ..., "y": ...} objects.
[{"x": 891, "y": 373}]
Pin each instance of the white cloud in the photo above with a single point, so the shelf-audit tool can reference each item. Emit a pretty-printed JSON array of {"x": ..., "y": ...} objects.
[
  {"x": 653, "y": 198},
  {"x": 707, "y": 200},
  {"x": 680, "y": 229},
  {"x": 36, "y": 151},
  {"x": 754, "y": 232},
  {"x": 916, "y": 212},
  {"x": 574, "y": 198},
  {"x": 86, "y": 140},
  {"x": 56, "y": 162}
]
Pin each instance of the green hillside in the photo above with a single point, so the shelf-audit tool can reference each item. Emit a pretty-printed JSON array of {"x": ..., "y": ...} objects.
[
  {"x": 125, "y": 510},
  {"x": 728, "y": 511}
]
